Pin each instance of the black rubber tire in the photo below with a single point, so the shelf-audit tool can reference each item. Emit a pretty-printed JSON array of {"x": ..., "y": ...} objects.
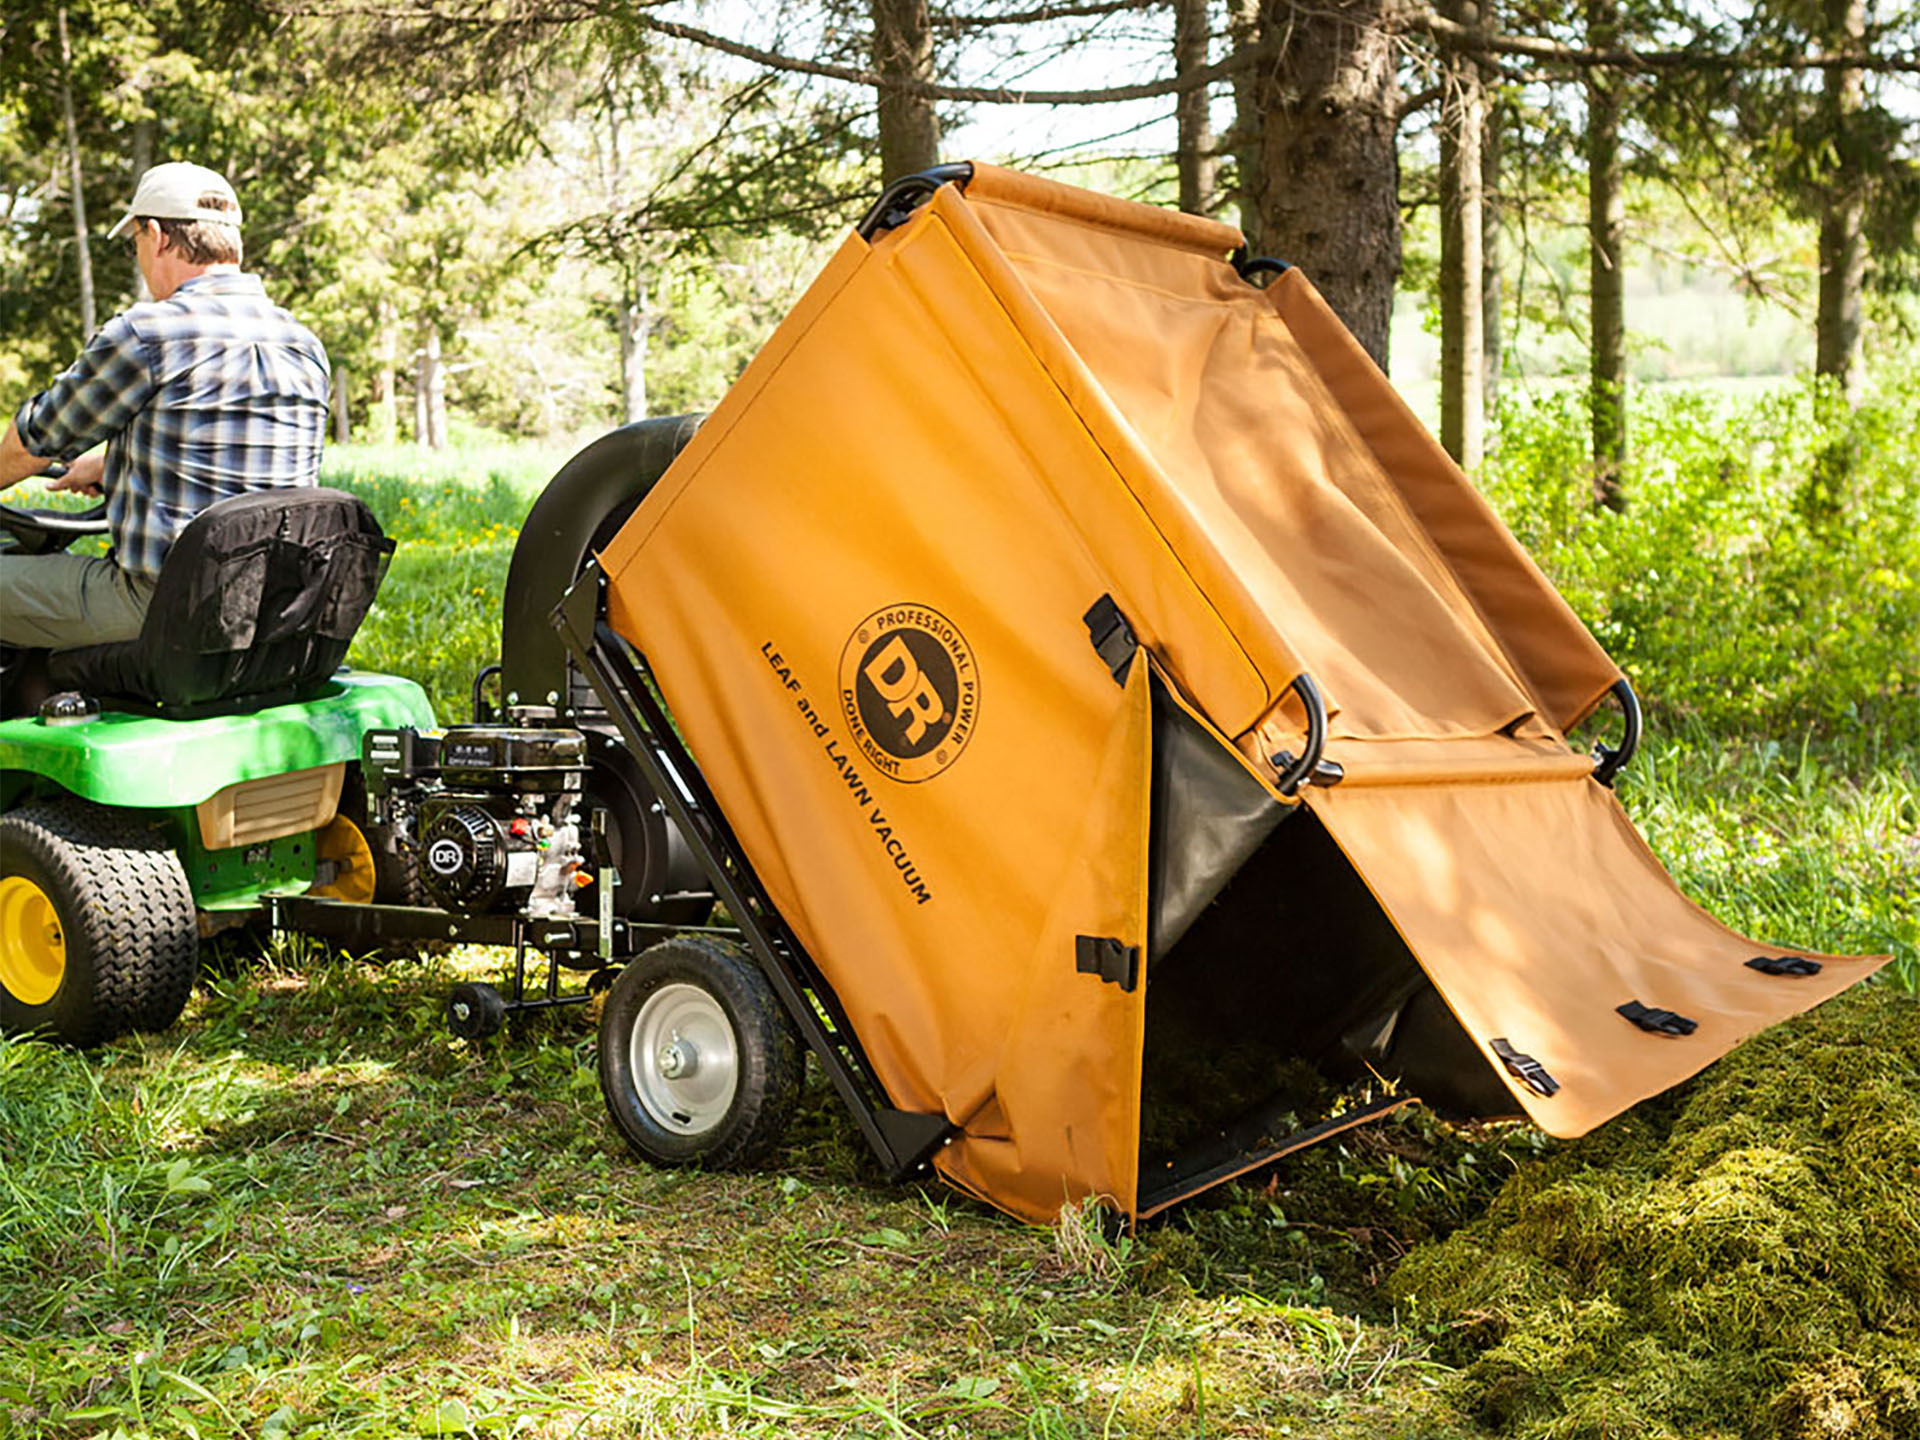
[
  {"x": 770, "y": 1061},
  {"x": 126, "y": 913},
  {"x": 475, "y": 1011}
]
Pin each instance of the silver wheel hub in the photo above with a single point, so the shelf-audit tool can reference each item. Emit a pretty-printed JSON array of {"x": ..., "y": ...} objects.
[{"x": 686, "y": 1062}]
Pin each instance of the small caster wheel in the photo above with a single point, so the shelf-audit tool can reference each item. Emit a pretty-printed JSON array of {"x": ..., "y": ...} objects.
[{"x": 475, "y": 1011}]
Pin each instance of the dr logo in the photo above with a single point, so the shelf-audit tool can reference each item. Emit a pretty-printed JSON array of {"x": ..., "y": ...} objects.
[
  {"x": 909, "y": 691},
  {"x": 906, "y": 688},
  {"x": 444, "y": 857}
]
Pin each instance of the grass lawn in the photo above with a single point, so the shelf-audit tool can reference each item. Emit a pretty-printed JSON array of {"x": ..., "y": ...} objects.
[{"x": 307, "y": 1211}]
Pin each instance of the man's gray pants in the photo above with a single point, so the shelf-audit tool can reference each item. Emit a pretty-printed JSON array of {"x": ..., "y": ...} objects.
[{"x": 62, "y": 602}]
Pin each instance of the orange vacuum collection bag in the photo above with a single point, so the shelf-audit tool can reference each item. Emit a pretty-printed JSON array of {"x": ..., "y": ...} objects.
[{"x": 983, "y": 603}]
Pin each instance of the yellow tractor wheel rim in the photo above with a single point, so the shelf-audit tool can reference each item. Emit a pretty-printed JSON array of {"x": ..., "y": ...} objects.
[
  {"x": 33, "y": 948},
  {"x": 353, "y": 873}
]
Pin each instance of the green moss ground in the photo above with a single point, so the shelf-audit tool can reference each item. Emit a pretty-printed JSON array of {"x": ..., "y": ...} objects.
[{"x": 1739, "y": 1259}]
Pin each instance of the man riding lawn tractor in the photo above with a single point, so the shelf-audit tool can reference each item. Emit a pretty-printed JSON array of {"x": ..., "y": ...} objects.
[{"x": 173, "y": 737}]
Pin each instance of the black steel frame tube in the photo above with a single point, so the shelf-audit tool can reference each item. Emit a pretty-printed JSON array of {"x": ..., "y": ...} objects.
[
  {"x": 1301, "y": 771},
  {"x": 898, "y": 200},
  {"x": 1251, "y": 265},
  {"x": 620, "y": 678}
]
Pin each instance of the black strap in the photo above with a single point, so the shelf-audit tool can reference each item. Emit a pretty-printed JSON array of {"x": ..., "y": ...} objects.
[
  {"x": 1112, "y": 637},
  {"x": 1657, "y": 1022},
  {"x": 1784, "y": 965},
  {"x": 1529, "y": 1071},
  {"x": 1113, "y": 962}
]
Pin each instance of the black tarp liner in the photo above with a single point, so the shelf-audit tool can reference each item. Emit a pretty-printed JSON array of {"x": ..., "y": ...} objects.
[{"x": 1291, "y": 983}]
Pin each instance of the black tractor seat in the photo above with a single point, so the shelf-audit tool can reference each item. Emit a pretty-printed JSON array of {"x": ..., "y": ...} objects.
[{"x": 256, "y": 605}]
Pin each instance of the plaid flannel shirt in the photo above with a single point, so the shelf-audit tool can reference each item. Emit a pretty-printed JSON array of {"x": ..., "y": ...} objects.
[{"x": 211, "y": 392}]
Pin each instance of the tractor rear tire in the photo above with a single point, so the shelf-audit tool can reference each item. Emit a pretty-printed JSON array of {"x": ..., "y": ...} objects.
[
  {"x": 98, "y": 934},
  {"x": 396, "y": 867}
]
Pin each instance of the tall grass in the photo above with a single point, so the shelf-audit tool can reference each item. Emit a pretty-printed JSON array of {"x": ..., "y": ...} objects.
[
  {"x": 437, "y": 620},
  {"x": 1798, "y": 845}
]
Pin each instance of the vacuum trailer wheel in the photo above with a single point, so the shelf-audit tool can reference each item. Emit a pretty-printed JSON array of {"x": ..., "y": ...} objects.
[
  {"x": 98, "y": 934},
  {"x": 699, "y": 1063}
]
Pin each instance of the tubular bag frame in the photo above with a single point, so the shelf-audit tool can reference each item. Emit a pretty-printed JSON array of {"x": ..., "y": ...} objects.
[{"x": 1102, "y": 705}]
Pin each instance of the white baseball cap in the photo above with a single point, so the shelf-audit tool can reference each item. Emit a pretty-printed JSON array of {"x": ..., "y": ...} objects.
[{"x": 172, "y": 192}]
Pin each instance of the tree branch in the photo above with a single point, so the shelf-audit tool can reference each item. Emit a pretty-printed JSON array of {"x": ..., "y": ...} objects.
[
  {"x": 1411, "y": 17},
  {"x": 979, "y": 94},
  {"x": 1476, "y": 41},
  {"x": 953, "y": 20}
]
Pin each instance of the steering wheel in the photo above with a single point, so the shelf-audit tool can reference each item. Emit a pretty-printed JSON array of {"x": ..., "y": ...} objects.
[{"x": 42, "y": 532}]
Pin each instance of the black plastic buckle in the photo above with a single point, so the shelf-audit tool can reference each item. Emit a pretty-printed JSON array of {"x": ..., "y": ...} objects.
[
  {"x": 1656, "y": 1022},
  {"x": 1326, "y": 774},
  {"x": 1527, "y": 1070},
  {"x": 1112, "y": 637},
  {"x": 1106, "y": 957},
  {"x": 1784, "y": 965}
]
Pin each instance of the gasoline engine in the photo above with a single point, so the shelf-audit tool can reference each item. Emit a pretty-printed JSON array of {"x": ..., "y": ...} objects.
[{"x": 496, "y": 815}]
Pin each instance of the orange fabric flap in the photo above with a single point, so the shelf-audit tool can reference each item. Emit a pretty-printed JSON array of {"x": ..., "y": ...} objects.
[
  {"x": 1256, "y": 477},
  {"x": 1537, "y": 910},
  {"x": 1485, "y": 760},
  {"x": 1056, "y": 1131},
  {"x": 1169, "y": 227},
  {"x": 1562, "y": 663}
]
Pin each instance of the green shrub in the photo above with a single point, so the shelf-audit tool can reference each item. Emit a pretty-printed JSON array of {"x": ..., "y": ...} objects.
[{"x": 1765, "y": 577}]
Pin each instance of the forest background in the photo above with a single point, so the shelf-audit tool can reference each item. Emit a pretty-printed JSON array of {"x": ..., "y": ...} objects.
[
  {"x": 1649, "y": 267},
  {"x": 537, "y": 218}
]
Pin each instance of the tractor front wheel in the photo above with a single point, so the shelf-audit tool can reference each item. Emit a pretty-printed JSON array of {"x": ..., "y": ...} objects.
[{"x": 98, "y": 934}]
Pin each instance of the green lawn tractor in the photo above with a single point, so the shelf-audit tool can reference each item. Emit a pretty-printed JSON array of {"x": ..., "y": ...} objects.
[
  {"x": 152, "y": 792},
  {"x": 223, "y": 768}
]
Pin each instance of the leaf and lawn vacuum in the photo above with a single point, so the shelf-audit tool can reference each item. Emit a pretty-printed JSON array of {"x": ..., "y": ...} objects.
[
  {"x": 1094, "y": 695},
  {"x": 1064, "y": 690}
]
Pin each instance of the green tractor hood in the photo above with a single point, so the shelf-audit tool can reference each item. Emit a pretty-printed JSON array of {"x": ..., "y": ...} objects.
[{"x": 142, "y": 761}]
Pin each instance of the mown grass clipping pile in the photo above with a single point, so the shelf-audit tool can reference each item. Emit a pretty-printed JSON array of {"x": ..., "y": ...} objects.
[{"x": 1738, "y": 1259}]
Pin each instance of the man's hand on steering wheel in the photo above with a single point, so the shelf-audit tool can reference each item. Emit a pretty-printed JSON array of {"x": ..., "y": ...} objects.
[{"x": 84, "y": 476}]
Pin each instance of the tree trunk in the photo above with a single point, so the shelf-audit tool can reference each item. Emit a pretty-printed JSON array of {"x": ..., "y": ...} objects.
[
  {"x": 420, "y": 425},
  {"x": 1843, "y": 246},
  {"x": 430, "y": 394},
  {"x": 83, "y": 254},
  {"x": 337, "y": 401},
  {"x": 386, "y": 378},
  {"x": 1462, "y": 254},
  {"x": 1606, "y": 216},
  {"x": 903, "y": 50},
  {"x": 1243, "y": 26},
  {"x": 1193, "y": 118},
  {"x": 634, "y": 321},
  {"x": 142, "y": 162},
  {"x": 1492, "y": 286},
  {"x": 1326, "y": 192}
]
